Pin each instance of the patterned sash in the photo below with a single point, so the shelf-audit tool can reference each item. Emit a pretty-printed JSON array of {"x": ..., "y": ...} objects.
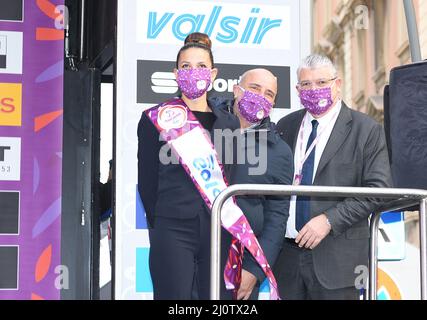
[{"x": 180, "y": 128}]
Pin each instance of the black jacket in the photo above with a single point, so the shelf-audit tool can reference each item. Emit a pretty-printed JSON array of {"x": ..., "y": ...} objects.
[
  {"x": 167, "y": 190},
  {"x": 267, "y": 215}
]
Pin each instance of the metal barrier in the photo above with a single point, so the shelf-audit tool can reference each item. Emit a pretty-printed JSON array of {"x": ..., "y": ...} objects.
[{"x": 406, "y": 198}]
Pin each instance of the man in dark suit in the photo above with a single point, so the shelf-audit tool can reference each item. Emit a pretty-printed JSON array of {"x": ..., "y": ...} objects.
[{"x": 327, "y": 238}]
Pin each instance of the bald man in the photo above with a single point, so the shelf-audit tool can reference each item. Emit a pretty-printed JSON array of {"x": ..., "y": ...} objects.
[{"x": 262, "y": 158}]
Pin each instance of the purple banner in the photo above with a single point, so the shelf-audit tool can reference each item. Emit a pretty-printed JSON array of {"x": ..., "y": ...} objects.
[{"x": 31, "y": 108}]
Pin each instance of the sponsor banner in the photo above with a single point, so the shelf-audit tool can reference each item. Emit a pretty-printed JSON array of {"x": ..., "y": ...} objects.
[
  {"x": 400, "y": 279},
  {"x": 12, "y": 10},
  {"x": 10, "y": 159},
  {"x": 11, "y": 46},
  {"x": 391, "y": 236},
  {"x": 11, "y": 104},
  {"x": 245, "y": 34},
  {"x": 30, "y": 152},
  {"x": 156, "y": 81},
  {"x": 9, "y": 266},
  {"x": 234, "y": 25},
  {"x": 3, "y": 52},
  {"x": 9, "y": 213}
]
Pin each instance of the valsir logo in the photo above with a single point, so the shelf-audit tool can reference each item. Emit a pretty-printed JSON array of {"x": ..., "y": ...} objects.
[{"x": 227, "y": 24}]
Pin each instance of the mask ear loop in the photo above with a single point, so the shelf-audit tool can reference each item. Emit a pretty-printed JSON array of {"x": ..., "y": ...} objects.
[
  {"x": 241, "y": 88},
  {"x": 333, "y": 84}
]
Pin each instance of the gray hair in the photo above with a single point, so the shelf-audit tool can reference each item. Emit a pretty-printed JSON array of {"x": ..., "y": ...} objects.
[{"x": 314, "y": 61}]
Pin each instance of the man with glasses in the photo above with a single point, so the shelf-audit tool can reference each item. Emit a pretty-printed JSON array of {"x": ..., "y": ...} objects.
[{"x": 327, "y": 238}]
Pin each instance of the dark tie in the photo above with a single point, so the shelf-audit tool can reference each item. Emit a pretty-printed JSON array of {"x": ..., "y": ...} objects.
[{"x": 302, "y": 215}]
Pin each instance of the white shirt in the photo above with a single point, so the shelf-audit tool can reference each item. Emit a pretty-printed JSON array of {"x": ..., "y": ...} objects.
[{"x": 326, "y": 124}]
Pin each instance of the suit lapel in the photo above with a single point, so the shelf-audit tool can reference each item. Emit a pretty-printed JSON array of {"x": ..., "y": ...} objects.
[
  {"x": 338, "y": 136},
  {"x": 293, "y": 133}
]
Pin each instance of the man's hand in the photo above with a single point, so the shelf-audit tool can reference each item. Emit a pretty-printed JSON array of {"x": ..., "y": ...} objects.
[
  {"x": 247, "y": 285},
  {"x": 313, "y": 232}
]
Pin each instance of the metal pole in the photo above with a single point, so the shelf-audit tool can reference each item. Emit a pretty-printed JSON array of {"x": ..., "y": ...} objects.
[
  {"x": 423, "y": 247},
  {"x": 319, "y": 191},
  {"x": 82, "y": 30},
  {"x": 216, "y": 245},
  {"x": 373, "y": 261},
  {"x": 414, "y": 39}
]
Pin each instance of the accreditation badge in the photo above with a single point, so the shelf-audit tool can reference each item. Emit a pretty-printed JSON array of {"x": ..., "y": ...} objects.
[{"x": 297, "y": 179}]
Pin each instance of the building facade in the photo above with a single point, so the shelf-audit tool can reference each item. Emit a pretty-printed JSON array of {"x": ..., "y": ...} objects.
[{"x": 366, "y": 39}]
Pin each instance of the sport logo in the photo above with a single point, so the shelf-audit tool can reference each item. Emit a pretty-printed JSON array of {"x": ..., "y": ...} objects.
[
  {"x": 206, "y": 167},
  {"x": 3, "y": 150},
  {"x": 234, "y": 24},
  {"x": 3, "y": 52},
  {"x": 164, "y": 82},
  {"x": 11, "y": 46},
  {"x": 172, "y": 117},
  {"x": 10, "y": 159},
  {"x": 155, "y": 83},
  {"x": 10, "y": 104}
]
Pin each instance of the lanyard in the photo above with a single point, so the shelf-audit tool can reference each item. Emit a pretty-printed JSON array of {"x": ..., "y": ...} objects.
[{"x": 298, "y": 175}]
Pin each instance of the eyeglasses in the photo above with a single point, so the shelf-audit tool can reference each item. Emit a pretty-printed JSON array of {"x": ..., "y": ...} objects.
[{"x": 321, "y": 83}]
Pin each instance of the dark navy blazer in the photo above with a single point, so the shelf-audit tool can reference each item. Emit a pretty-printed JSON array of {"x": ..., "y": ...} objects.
[{"x": 267, "y": 215}]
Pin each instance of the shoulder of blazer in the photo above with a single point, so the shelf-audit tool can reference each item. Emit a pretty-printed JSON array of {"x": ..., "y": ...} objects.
[
  {"x": 291, "y": 121},
  {"x": 359, "y": 117},
  {"x": 222, "y": 108}
]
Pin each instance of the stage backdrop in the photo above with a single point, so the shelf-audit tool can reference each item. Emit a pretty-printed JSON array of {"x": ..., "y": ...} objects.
[
  {"x": 31, "y": 85},
  {"x": 274, "y": 34}
]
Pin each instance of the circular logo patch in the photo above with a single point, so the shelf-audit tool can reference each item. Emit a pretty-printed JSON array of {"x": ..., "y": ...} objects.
[
  {"x": 260, "y": 114},
  {"x": 323, "y": 103},
  {"x": 172, "y": 117},
  {"x": 201, "y": 84}
]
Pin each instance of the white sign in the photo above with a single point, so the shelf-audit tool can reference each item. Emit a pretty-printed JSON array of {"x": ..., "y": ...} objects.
[
  {"x": 244, "y": 33},
  {"x": 3, "y": 45},
  {"x": 10, "y": 159},
  {"x": 11, "y": 45}
]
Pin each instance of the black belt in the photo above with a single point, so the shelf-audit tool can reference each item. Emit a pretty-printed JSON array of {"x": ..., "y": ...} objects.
[{"x": 291, "y": 242}]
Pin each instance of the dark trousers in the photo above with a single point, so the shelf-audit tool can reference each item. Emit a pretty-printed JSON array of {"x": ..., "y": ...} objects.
[
  {"x": 297, "y": 280},
  {"x": 180, "y": 258}
]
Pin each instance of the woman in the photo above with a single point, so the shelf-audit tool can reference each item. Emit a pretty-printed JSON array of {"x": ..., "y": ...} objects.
[{"x": 178, "y": 218}]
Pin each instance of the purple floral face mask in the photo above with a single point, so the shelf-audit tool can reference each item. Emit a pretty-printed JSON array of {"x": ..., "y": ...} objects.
[
  {"x": 316, "y": 101},
  {"x": 193, "y": 83},
  {"x": 254, "y": 107}
]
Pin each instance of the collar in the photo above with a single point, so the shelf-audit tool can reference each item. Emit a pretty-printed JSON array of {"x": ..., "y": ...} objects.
[
  {"x": 253, "y": 127},
  {"x": 323, "y": 121},
  {"x": 264, "y": 126}
]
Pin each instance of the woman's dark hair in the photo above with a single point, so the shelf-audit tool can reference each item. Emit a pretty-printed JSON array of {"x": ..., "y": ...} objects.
[{"x": 197, "y": 40}]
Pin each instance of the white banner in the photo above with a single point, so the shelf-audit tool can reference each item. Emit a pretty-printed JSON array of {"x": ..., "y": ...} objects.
[
  {"x": 274, "y": 34},
  {"x": 232, "y": 25}
]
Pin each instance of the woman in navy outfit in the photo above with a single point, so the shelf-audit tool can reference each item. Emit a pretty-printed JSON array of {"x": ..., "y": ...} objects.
[{"x": 178, "y": 219}]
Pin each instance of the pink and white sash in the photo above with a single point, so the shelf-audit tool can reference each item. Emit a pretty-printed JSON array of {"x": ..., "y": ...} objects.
[{"x": 186, "y": 136}]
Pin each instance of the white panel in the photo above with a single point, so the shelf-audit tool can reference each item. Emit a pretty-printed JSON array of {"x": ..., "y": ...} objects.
[{"x": 140, "y": 38}]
